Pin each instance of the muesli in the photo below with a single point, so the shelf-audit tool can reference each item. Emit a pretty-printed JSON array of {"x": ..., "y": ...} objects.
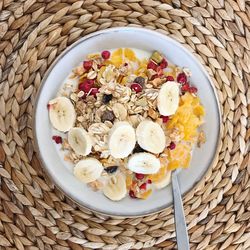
[{"x": 128, "y": 122}]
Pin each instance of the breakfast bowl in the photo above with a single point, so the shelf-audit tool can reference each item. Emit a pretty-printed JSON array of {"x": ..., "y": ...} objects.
[{"x": 119, "y": 110}]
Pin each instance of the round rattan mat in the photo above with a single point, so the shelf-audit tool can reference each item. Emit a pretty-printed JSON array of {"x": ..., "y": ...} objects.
[{"x": 34, "y": 214}]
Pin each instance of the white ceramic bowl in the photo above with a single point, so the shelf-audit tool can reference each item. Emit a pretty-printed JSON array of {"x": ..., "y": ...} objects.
[{"x": 52, "y": 159}]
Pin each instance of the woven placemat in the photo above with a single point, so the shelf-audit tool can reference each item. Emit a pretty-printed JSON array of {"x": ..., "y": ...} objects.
[{"x": 34, "y": 214}]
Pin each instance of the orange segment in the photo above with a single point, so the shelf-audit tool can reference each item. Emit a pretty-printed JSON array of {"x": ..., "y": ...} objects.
[
  {"x": 179, "y": 157},
  {"x": 188, "y": 117},
  {"x": 174, "y": 165},
  {"x": 146, "y": 194},
  {"x": 117, "y": 57},
  {"x": 129, "y": 54},
  {"x": 129, "y": 181},
  {"x": 159, "y": 175},
  {"x": 199, "y": 110}
]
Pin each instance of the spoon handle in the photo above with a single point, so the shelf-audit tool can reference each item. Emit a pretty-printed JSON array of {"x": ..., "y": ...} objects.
[{"x": 180, "y": 223}]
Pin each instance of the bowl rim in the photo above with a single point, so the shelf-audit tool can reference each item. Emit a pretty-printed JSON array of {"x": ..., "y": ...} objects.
[{"x": 94, "y": 34}]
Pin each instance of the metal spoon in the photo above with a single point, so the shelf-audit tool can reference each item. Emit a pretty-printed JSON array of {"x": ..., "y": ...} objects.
[{"x": 179, "y": 217}]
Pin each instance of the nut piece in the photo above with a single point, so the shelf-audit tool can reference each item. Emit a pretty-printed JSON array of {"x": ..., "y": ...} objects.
[
  {"x": 152, "y": 113},
  {"x": 156, "y": 82}
]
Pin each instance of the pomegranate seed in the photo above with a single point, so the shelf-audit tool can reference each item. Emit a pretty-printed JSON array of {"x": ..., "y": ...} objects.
[
  {"x": 57, "y": 139},
  {"x": 164, "y": 118},
  {"x": 149, "y": 181},
  {"x": 105, "y": 54},
  {"x": 139, "y": 176},
  {"x": 125, "y": 64},
  {"x": 172, "y": 146},
  {"x": 164, "y": 63},
  {"x": 136, "y": 87},
  {"x": 182, "y": 78},
  {"x": 94, "y": 91},
  {"x": 86, "y": 85},
  {"x": 170, "y": 78},
  {"x": 151, "y": 65},
  {"x": 185, "y": 87},
  {"x": 143, "y": 186},
  {"x": 48, "y": 106},
  {"x": 193, "y": 90},
  {"x": 87, "y": 65},
  {"x": 132, "y": 194}
]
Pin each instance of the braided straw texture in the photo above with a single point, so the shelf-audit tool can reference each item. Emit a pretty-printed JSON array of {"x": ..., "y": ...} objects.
[{"x": 33, "y": 213}]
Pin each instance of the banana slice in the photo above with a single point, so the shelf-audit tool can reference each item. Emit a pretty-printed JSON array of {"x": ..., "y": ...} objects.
[
  {"x": 115, "y": 189},
  {"x": 151, "y": 137},
  {"x": 168, "y": 98},
  {"x": 144, "y": 163},
  {"x": 88, "y": 170},
  {"x": 62, "y": 114},
  {"x": 121, "y": 140},
  {"x": 164, "y": 182},
  {"x": 80, "y": 141}
]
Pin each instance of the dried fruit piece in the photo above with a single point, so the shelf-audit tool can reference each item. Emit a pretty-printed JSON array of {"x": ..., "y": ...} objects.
[
  {"x": 140, "y": 80},
  {"x": 143, "y": 186},
  {"x": 164, "y": 63},
  {"x": 86, "y": 85},
  {"x": 185, "y": 87},
  {"x": 139, "y": 176},
  {"x": 132, "y": 194},
  {"x": 156, "y": 57},
  {"x": 107, "y": 98},
  {"x": 193, "y": 90},
  {"x": 111, "y": 169},
  {"x": 164, "y": 118},
  {"x": 170, "y": 78},
  {"x": 105, "y": 54},
  {"x": 159, "y": 71},
  {"x": 182, "y": 78},
  {"x": 87, "y": 64},
  {"x": 136, "y": 87},
  {"x": 57, "y": 139},
  {"x": 94, "y": 91},
  {"x": 108, "y": 116},
  {"x": 172, "y": 146},
  {"x": 151, "y": 65}
]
